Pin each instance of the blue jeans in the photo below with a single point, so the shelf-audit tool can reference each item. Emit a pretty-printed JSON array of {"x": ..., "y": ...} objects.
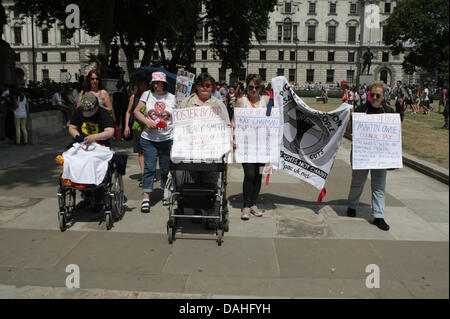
[
  {"x": 153, "y": 150},
  {"x": 378, "y": 185}
]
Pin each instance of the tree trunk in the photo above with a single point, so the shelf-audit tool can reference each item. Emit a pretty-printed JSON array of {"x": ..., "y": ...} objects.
[{"x": 128, "y": 49}]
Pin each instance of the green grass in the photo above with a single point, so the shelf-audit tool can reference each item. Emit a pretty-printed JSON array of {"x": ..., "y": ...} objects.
[{"x": 422, "y": 135}]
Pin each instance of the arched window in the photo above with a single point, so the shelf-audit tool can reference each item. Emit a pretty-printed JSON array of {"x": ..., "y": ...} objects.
[
  {"x": 384, "y": 76},
  {"x": 287, "y": 26}
]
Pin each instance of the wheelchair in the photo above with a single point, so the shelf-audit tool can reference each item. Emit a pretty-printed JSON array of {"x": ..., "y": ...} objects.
[
  {"x": 184, "y": 193},
  {"x": 110, "y": 190}
]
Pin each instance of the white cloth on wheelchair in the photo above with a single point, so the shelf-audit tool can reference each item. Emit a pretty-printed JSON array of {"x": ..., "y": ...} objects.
[{"x": 85, "y": 164}]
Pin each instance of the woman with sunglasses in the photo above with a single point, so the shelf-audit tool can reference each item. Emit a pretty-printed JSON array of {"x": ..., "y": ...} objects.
[
  {"x": 252, "y": 171},
  {"x": 376, "y": 105},
  {"x": 157, "y": 105},
  {"x": 203, "y": 96},
  {"x": 94, "y": 85}
]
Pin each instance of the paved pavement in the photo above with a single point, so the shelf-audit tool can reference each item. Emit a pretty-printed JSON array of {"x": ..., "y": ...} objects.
[{"x": 298, "y": 249}]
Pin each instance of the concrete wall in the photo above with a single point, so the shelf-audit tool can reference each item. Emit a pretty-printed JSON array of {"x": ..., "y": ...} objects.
[{"x": 43, "y": 124}]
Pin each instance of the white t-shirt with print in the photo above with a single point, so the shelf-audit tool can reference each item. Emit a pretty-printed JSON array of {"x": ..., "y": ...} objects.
[{"x": 159, "y": 110}]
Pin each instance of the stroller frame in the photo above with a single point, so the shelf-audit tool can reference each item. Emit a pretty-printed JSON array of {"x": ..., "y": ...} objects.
[
  {"x": 181, "y": 192},
  {"x": 112, "y": 187}
]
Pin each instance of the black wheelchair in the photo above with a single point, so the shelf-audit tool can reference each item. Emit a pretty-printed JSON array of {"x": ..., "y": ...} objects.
[{"x": 110, "y": 191}]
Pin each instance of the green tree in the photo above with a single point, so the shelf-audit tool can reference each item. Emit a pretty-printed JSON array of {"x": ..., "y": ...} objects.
[{"x": 420, "y": 29}]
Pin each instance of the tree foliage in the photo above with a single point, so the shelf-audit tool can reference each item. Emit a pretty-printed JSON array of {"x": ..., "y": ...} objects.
[
  {"x": 169, "y": 24},
  {"x": 421, "y": 30}
]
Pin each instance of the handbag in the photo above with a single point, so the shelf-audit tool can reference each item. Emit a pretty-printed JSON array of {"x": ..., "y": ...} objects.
[{"x": 138, "y": 126}]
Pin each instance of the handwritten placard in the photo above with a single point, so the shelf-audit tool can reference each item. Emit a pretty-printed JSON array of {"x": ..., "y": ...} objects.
[
  {"x": 256, "y": 135},
  {"x": 200, "y": 135},
  {"x": 377, "y": 141}
]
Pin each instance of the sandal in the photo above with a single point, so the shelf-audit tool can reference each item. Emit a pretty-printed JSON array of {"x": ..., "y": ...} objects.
[
  {"x": 245, "y": 215},
  {"x": 255, "y": 212},
  {"x": 145, "y": 206}
]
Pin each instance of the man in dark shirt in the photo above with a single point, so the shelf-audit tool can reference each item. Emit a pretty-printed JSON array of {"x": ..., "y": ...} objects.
[
  {"x": 92, "y": 120},
  {"x": 378, "y": 176}
]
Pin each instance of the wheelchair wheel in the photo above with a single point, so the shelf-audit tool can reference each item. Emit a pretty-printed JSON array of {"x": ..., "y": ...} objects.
[
  {"x": 171, "y": 230},
  {"x": 62, "y": 221},
  {"x": 108, "y": 220},
  {"x": 117, "y": 197}
]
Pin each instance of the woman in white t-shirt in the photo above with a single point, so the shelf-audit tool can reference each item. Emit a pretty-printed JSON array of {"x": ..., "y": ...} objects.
[
  {"x": 154, "y": 110},
  {"x": 252, "y": 171},
  {"x": 20, "y": 117}
]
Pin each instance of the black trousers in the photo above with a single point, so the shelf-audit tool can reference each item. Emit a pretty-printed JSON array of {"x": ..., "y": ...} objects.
[
  {"x": 252, "y": 183},
  {"x": 399, "y": 109}
]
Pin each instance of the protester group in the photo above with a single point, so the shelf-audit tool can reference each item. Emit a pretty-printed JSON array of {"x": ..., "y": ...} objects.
[{"x": 142, "y": 112}]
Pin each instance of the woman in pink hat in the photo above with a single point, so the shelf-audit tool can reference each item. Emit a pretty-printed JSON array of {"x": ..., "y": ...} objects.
[{"x": 155, "y": 112}]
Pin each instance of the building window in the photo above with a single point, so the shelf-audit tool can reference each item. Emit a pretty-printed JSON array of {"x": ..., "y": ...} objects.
[
  {"x": 351, "y": 57},
  {"x": 311, "y": 33},
  {"x": 387, "y": 7},
  {"x": 292, "y": 56},
  {"x": 17, "y": 56},
  {"x": 17, "y": 35},
  {"x": 262, "y": 72},
  {"x": 312, "y": 7},
  {"x": 287, "y": 6},
  {"x": 262, "y": 55},
  {"x": 287, "y": 30},
  {"x": 291, "y": 75},
  {"x": 330, "y": 76},
  {"x": 45, "y": 36},
  {"x": 332, "y": 7},
  {"x": 384, "y": 76},
  {"x": 351, "y": 34},
  {"x": 204, "y": 70},
  {"x": 155, "y": 55},
  {"x": 64, "y": 39},
  {"x": 63, "y": 57},
  {"x": 242, "y": 74},
  {"x": 330, "y": 55},
  {"x": 280, "y": 32},
  {"x": 199, "y": 33},
  {"x": 310, "y": 55},
  {"x": 44, "y": 57},
  {"x": 222, "y": 74},
  {"x": 281, "y": 55},
  {"x": 295, "y": 33},
  {"x": 352, "y": 8},
  {"x": 263, "y": 35},
  {"x": 206, "y": 32},
  {"x": 309, "y": 75},
  {"x": 385, "y": 57},
  {"x": 45, "y": 75},
  {"x": 204, "y": 55},
  {"x": 350, "y": 76},
  {"x": 331, "y": 33},
  {"x": 383, "y": 35},
  {"x": 280, "y": 72}
]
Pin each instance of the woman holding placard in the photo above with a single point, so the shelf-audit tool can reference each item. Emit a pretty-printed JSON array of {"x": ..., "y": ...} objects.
[{"x": 252, "y": 171}]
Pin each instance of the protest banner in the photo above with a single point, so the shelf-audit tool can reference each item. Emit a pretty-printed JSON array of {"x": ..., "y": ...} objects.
[
  {"x": 184, "y": 85},
  {"x": 377, "y": 141},
  {"x": 200, "y": 134},
  {"x": 310, "y": 139},
  {"x": 256, "y": 135}
]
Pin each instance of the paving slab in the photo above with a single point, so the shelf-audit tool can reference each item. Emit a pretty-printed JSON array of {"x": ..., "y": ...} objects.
[
  {"x": 406, "y": 225},
  {"x": 255, "y": 257},
  {"x": 426, "y": 289},
  {"x": 119, "y": 252},
  {"x": 35, "y": 248},
  {"x": 414, "y": 260},
  {"x": 429, "y": 210},
  {"x": 325, "y": 258}
]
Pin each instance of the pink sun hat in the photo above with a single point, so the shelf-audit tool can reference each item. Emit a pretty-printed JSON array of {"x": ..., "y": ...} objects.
[{"x": 159, "y": 76}]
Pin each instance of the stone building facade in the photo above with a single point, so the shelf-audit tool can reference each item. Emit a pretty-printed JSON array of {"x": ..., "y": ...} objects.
[{"x": 307, "y": 41}]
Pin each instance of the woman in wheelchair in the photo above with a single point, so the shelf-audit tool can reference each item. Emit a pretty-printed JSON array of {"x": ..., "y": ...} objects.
[{"x": 91, "y": 123}]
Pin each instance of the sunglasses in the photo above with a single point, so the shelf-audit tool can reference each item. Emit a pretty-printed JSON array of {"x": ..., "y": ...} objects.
[
  {"x": 372, "y": 95},
  {"x": 205, "y": 85},
  {"x": 94, "y": 79},
  {"x": 251, "y": 87}
]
